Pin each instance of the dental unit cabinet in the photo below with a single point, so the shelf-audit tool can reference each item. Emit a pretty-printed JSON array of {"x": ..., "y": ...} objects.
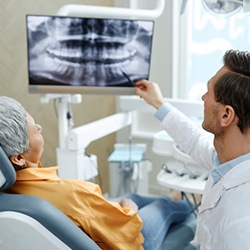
[{"x": 129, "y": 169}]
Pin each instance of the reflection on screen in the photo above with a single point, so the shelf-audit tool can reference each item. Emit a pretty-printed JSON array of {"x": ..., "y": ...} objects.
[{"x": 87, "y": 51}]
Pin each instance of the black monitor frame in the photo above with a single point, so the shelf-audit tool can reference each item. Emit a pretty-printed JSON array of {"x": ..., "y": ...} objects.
[{"x": 77, "y": 55}]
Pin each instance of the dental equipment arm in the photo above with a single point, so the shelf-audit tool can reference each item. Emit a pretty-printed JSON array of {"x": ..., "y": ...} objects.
[
  {"x": 102, "y": 11},
  {"x": 82, "y": 136},
  {"x": 73, "y": 161}
]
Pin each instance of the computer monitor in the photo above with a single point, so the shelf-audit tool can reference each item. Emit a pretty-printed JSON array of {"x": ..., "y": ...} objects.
[{"x": 87, "y": 55}]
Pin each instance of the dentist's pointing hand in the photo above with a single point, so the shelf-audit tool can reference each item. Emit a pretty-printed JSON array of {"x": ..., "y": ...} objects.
[{"x": 150, "y": 92}]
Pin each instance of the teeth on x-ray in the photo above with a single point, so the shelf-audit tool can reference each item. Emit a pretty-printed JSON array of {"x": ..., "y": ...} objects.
[
  {"x": 100, "y": 54},
  {"x": 80, "y": 51}
]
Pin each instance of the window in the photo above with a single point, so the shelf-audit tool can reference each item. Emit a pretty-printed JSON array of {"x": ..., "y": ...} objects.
[{"x": 208, "y": 36}]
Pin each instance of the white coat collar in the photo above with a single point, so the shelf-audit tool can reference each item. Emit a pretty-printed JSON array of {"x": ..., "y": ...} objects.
[{"x": 236, "y": 176}]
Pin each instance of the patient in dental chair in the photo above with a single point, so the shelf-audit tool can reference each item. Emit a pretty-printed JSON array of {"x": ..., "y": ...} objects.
[{"x": 134, "y": 222}]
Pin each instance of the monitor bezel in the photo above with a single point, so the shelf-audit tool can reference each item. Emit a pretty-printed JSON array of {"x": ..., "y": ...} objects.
[{"x": 88, "y": 90}]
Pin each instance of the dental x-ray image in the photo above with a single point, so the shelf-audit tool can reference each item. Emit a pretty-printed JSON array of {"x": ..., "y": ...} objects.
[{"x": 88, "y": 51}]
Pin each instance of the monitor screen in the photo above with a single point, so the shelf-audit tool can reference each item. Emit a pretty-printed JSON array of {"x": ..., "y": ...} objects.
[{"x": 87, "y": 55}]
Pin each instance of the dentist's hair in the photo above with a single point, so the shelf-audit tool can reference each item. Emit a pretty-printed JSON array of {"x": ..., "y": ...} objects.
[
  {"x": 13, "y": 127},
  {"x": 238, "y": 61}
]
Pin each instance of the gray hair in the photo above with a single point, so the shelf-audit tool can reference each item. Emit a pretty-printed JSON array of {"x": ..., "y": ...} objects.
[{"x": 13, "y": 127}]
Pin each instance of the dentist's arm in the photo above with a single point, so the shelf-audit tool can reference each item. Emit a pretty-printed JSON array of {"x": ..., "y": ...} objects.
[
  {"x": 150, "y": 92},
  {"x": 191, "y": 140}
]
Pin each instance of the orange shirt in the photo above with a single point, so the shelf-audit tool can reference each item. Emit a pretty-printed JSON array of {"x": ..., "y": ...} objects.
[{"x": 107, "y": 223}]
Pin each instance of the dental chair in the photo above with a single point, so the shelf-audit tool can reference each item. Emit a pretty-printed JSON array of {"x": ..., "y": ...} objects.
[{"x": 28, "y": 222}]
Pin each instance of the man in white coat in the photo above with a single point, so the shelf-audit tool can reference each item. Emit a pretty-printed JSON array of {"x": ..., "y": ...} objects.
[{"x": 224, "y": 215}]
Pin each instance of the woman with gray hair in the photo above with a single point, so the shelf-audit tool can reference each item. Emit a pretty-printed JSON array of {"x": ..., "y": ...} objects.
[{"x": 136, "y": 222}]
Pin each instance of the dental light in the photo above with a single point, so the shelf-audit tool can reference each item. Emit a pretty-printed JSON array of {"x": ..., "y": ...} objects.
[
  {"x": 226, "y": 7},
  {"x": 223, "y": 7}
]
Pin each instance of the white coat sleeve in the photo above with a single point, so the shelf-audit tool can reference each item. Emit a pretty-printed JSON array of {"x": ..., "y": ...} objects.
[{"x": 190, "y": 139}]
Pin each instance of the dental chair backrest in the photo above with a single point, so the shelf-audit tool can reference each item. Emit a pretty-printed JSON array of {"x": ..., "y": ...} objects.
[{"x": 28, "y": 222}]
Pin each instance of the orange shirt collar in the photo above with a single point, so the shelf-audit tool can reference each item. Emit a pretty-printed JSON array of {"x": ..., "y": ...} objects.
[{"x": 39, "y": 173}]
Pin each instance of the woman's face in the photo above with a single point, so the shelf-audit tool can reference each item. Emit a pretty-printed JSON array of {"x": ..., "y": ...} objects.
[{"x": 36, "y": 143}]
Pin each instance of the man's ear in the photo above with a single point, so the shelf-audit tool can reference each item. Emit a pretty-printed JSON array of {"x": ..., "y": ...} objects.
[
  {"x": 227, "y": 116},
  {"x": 17, "y": 160}
]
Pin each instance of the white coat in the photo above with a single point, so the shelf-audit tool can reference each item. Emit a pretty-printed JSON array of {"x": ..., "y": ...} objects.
[{"x": 224, "y": 215}]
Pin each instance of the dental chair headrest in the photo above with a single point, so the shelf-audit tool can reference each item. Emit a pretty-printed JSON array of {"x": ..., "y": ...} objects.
[{"x": 7, "y": 171}]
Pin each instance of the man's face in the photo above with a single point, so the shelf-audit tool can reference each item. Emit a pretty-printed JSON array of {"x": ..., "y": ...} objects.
[{"x": 211, "y": 107}]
